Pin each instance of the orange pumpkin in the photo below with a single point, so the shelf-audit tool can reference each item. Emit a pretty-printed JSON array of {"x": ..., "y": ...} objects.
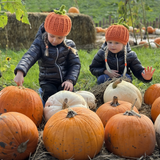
[
  {"x": 157, "y": 41},
  {"x": 155, "y": 109},
  {"x": 22, "y": 100},
  {"x": 131, "y": 29},
  {"x": 144, "y": 28},
  {"x": 18, "y": 136},
  {"x": 150, "y": 29},
  {"x": 130, "y": 135},
  {"x": 100, "y": 29},
  {"x": 111, "y": 108},
  {"x": 73, "y": 10},
  {"x": 76, "y": 133},
  {"x": 145, "y": 44},
  {"x": 152, "y": 93}
]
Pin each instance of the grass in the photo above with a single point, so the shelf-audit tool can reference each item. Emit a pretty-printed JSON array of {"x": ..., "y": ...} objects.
[
  {"x": 98, "y": 9},
  {"x": 148, "y": 57}
]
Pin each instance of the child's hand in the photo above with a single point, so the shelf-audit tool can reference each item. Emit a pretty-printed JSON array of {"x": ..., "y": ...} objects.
[
  {"x": 19, "y": 79},
  {"x": 148, "y": 73},
  {"x": 112, "y": 74},
  {"x": 67, "y": 85}
]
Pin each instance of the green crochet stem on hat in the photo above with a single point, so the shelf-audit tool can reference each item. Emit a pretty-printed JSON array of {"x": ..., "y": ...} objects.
[
  {"x": 121, "y": 22},
  {"x": 61, "y": 11}
]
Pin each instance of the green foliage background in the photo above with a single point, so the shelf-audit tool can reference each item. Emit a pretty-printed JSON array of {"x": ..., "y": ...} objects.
[{"x": 98, "y": 9}]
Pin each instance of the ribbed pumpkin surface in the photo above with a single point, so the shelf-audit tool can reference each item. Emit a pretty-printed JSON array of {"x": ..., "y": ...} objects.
[
  {"x": 18, "y": 136},
  {"x": 78, "y": 137},
  {"x": 22, "y": 100}
]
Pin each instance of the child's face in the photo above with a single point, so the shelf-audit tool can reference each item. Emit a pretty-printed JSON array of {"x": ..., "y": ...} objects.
[
  {"x": 114, "y": 46},
  {"x": 54, "y": 39}
]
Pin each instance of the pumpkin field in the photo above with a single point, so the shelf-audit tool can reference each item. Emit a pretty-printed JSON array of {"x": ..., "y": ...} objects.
[
  {"x": 90, "y": 128},
  {"x": 92, "y": 106}
]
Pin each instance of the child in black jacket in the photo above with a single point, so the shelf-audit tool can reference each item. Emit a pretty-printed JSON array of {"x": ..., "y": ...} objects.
[
  {"x": 115, "y": 59},
  {"x": 58, "y": 60}
]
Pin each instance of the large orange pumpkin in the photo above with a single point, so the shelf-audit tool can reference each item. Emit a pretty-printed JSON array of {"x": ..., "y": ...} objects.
[
  {"x": 155, "y": 109},
  {"x": 157, "y": 41},
  {"x": 18, "y": 136},
  {"x": 152, "y": 93},
  {"x": 130, "y": 135},
  {"x": 23, "y": 100},
  {"x": 73, "y": 10},
  {"x": 76, "y": 133},
  {"x": 111, "y": 108}
]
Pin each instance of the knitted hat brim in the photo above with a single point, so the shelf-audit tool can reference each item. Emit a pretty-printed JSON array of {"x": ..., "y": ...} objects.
[{"x": 117, "y": 40}]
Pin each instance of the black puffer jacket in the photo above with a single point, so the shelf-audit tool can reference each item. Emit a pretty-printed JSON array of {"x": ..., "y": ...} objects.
[
  {"x": 116, "y": 62},
  {"x": 61, "y": 64}
]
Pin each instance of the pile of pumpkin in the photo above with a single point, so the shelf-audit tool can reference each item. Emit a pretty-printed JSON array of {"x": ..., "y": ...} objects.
[
  {"x": 155, "y": 43},
  {"x": 150, "y": 30},
  {"x": 73, "y": 129}
]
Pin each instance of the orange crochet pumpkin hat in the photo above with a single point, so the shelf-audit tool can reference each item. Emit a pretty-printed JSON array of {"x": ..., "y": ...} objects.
[
  {"x": 58, "y": 23},
  {"x": 117, "y": 32}
]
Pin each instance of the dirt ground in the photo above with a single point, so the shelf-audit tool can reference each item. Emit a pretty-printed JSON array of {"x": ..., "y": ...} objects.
[{"x": 42, "y": 154}]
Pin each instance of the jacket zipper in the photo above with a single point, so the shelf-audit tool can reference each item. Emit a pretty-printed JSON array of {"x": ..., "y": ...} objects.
[
  {"x": 117, "y": 63},
  {"x": 58, "y": 66}
]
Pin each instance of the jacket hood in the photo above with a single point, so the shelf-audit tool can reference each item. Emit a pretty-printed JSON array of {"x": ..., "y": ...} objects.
[{"x": 41, "y": 30}]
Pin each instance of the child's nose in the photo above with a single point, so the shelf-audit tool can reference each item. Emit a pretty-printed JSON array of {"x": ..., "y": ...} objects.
[{"x": 54, "y": 39}]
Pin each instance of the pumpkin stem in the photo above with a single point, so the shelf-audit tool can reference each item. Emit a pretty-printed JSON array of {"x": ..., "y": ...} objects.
[
  {"x": 121, "y": 22},
  {"x": 114, "y": 85},
  {"x": 21, "y": 87},
  {"x": 133, "y": 104},
  {"x": 114, "y": 103},
  {"x": 132, "y": 112},
  {"x": 22, "y": 147},
  {"x": 65, "y": 105},
  {"x": 71, "y": 113},
  {"x": 61, "y": 11}
]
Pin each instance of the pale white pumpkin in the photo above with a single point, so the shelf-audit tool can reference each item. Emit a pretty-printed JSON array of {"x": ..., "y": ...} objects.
[
  {"x": 125, "y": 91},
  {"x": 157, "y": 130},
  {"x": 89, "y": 98},
  {"x": 153, "y": 45},
  {"x": 143, "y": 31},
  {"x": 130, "y": 29},
  {"x": 157, "y": 31},
  {"x": 61, "y": 100}
]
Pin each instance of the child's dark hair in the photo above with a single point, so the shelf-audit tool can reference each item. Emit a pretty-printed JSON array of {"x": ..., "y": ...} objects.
[{"x": 46, "y": 42}]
